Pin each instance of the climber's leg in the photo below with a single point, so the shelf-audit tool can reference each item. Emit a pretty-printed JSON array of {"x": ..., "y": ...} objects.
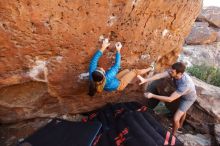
[
  {"x": 122, "y": 73},
  {"x": 128, "y": 77}
]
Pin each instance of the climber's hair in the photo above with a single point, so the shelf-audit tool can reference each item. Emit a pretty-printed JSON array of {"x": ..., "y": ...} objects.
[
  {"x": 97, "y": 76},
  {"x": 179, "y": 67},
  {"x": 92, "y": 88}
]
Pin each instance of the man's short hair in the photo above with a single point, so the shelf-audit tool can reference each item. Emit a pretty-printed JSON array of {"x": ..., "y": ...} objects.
[{"x": 179, "y": 67}]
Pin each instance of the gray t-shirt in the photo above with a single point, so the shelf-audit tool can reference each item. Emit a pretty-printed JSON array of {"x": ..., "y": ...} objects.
[{"x": 186, "y": 87}]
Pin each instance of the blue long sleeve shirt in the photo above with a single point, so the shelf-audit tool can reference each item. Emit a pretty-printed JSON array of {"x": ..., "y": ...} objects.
[{"x": 112, "y": 82}]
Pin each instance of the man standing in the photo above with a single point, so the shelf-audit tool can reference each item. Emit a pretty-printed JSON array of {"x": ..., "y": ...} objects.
[{"x": 185, "y": 90}]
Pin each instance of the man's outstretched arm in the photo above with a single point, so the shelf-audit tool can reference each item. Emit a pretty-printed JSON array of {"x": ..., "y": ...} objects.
[
  {"x": 153, "y": 78},
  {"x": 170, "y": 98}
]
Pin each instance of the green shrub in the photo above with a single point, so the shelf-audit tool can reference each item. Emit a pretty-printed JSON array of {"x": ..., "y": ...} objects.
[{"x": 206, "y": 73}]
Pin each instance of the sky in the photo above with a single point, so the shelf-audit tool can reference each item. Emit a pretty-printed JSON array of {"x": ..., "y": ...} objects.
[{"x": 211, "y": 3}]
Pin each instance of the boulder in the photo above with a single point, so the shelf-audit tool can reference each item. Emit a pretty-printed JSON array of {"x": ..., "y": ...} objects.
[
  {"x": 201, "y": 54},
  {"x": 195, "y": 140},
  {"x": 205, "y": 112},
  {"x": 50, "y": 43},
  {"x": 208, "y": 98},
  {"x": 201, "y": 33},
  {"x": 211, "y": 15},
  {"x": 217, "y": 133},
  {"x": 218, "y": 36}
]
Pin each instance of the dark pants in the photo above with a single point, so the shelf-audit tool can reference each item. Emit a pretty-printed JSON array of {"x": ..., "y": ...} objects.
[{"x": 153, "y": 88}]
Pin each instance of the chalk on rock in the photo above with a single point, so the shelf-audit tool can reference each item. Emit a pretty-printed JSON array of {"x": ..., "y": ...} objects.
[
  {"x": 84, "y": 76},
  {"x": 101, "y": 38}
]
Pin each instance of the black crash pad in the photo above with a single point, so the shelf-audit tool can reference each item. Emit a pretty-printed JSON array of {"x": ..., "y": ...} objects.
[
  {"x": 130, "y": 124},
  {"x": 64, "y": 133}
]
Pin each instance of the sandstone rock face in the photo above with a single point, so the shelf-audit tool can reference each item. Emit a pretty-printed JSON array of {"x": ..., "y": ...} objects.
[
  {"x": 201, "y": 33},
  {"x": 45, "y": 48},
  {"x": 211, "y": 15},
  {"x": 28, "y": 100}
]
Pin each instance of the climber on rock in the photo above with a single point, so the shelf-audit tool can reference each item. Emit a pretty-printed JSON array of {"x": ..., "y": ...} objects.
[
  {"x": 110, "y": 80},
  {"x": 185, "y": 90}
]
